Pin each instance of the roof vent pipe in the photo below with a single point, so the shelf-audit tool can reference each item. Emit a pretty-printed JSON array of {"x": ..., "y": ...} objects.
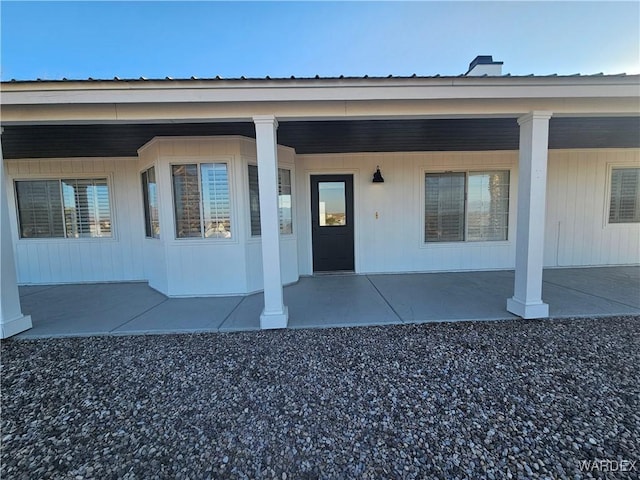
[{"x": 484, "y": 65}]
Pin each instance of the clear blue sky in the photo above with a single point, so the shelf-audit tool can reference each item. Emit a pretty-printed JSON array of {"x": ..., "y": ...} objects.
[{"x": 51, "y": 40}]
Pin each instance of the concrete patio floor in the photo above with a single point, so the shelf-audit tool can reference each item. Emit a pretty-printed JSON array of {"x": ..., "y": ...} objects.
[{"x": 325, "y": 301}]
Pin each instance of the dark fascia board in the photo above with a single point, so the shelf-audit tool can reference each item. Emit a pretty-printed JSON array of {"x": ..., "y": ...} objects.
[{"x": 335, "y": 136}]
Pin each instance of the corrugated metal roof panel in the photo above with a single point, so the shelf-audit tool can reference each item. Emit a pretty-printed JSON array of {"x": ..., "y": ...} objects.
[{"x": 293, "y": 77}]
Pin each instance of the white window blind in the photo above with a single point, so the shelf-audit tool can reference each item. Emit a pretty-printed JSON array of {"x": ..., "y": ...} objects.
[
  {"x": 186, "y": 201},
  {"x": 285, "y": 214},
  {"x": 625, "y": 195},
  {"x": 284, "y": 201},
  {"x": 444, "y": 207},
  {"x": 71, "y": 208},
  {"x": 39, "y": 209},
  {"x": 254, "y": 201},
  {"x": 202, "y": 200},
  {"x": 86, "y": 208},
  {"x": 216, "y": 204},
  {"x": 461, "y": 206}
]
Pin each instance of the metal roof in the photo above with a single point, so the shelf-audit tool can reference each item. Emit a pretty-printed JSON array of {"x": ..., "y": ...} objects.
[{"x": 293, "y": 77}]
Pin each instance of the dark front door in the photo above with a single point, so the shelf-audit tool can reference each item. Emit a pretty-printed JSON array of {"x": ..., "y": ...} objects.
[{"x": 332, "y": 222}]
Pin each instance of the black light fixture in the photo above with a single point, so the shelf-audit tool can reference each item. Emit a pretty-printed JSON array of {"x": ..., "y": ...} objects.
[{"x": 377, "y": 176}]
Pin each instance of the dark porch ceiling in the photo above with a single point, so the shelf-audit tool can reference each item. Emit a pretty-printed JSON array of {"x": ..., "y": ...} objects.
[{"x": 330, "y": 136}]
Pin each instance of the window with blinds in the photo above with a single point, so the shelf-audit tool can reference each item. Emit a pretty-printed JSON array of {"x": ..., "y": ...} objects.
[
  {"x": 444, "y": 207},
  {"x": 150, "y": 201},
  {"x": 67, "y": 208},
  {"x": 284, "y": 201},
  {"x": 624, "y": 206},
  {"x": 254, "y": 201},
  {"x": 40, "y": 211},
  {"x": 487, "y": 206},
  {"x": 285, "y": 214},
  {"x": 216, "y": 204},
  {"x": 186, "y": 197},
  {"x": 202, "y": 201},
  {"x": 466, "y": 206}
]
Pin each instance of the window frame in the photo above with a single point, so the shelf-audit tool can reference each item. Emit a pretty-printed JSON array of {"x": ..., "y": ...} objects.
[
  {"x": 198, "y": 162},
  {"x": 288, "y": 168},
  {"x": 608, "y": 196},
  {"x": 108, "y": 177},
  {"x": 148, "y": 221},
  {"x": 465, "y": 241}
]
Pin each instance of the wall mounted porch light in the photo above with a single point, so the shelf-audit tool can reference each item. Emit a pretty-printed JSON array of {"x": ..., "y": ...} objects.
[{"x": 377, "y": 176}]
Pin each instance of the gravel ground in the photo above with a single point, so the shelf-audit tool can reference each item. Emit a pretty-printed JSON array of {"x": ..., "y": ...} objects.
[{"x": 514, "y": 399}]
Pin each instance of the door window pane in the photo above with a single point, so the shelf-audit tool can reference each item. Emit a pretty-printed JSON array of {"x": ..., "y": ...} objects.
[{"x": 332, "y": 204}]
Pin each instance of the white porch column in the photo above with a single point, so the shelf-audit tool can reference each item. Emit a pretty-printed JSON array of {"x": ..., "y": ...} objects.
[
  {"x": 532, "y": 187},
  {"x": 275, "y": 313},
  {"x": 12, "y": 320}
]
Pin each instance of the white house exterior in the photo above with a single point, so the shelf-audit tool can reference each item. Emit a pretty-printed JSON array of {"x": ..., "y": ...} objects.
[{"x": 228, "y": 187}]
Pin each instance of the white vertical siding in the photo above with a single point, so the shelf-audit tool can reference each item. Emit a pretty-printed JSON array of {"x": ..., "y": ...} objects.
[
  {"x": 67, "y": 260},
  {"x": 577, "y": 229},
  {"x": 394, "y": 241}
]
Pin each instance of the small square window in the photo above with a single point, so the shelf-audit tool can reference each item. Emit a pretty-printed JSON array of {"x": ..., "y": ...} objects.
[{"x": 624, "y": 206}]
